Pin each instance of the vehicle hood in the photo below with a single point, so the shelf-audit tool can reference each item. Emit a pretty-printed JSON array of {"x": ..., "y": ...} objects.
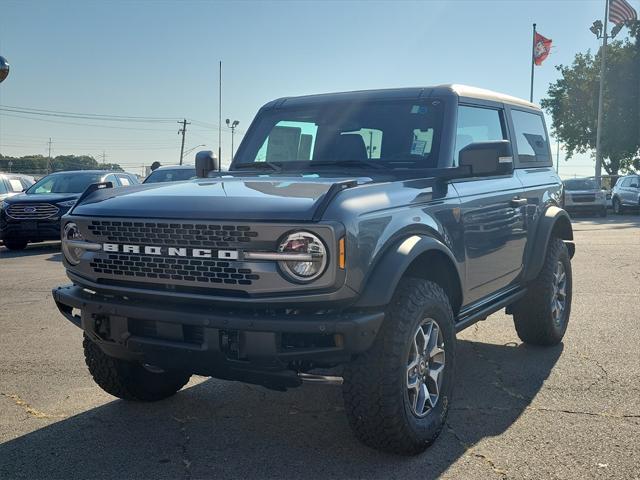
[
  {"x": 42, "y": 197},
  {"x": 253, "y": 198}
]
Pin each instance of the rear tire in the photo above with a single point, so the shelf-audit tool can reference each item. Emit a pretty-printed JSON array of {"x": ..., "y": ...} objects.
[
  {"x": 14, "y": 244},
  {"x": 128, "y": 380},
  {"x": 397, "y": 394},
  {"x": 542, "y": 315}
]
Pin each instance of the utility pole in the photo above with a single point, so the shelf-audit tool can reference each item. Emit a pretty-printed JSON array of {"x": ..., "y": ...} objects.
[
  {"x": 182, "y": 131},
  {"x": 603, "y": 67},
  {"x": 220, "y": 119},
  {"x": 232, "y": 126},
  {"x": 104, "y": 158},
  {"x": 49, "y": 160}
]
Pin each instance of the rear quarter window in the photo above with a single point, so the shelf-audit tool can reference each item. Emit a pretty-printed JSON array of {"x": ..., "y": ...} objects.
[{"x": 532, "y": 141}]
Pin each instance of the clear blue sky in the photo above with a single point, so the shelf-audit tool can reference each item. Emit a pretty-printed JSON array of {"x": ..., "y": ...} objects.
[{"x": 160, "y": 59}]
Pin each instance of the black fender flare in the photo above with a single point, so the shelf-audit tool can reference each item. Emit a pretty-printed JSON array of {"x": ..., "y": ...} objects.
[
  {"x": 386, "y": 273},
  {"x": 556, "y": 221}
]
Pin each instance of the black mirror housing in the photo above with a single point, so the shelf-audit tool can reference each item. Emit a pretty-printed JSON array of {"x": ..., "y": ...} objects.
[
  {"x": 488, "y": 158},
  {"x": 206, "y": 162}
]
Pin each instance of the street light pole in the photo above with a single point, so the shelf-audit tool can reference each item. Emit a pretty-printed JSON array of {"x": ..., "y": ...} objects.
[{"x": 232, "y": 126}]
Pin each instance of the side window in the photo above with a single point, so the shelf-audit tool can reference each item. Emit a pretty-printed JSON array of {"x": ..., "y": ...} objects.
[
  {"x": 15, "y": 185},
  {"x": 531, "y": 138},
  {"x": 625, "y": 182},
  {"x": 124, "y": 180},
  {"x": 476, "y": 124},
  {"x": 112, "y": 178},
  {"x": 3, "y": 187},
  {"x": 288, "y": 141}
]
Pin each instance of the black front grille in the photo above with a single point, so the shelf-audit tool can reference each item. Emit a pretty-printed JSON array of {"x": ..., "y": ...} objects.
[
  {"x": 173, "y": 234},
  {"x": 32, "y": 211},
  {"x": 203, "y": 271}
]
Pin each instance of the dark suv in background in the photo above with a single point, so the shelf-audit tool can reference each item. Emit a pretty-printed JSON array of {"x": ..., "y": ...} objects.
[
  {"x": 356, "y": 232},
  {"x": 34, "y": 216}
]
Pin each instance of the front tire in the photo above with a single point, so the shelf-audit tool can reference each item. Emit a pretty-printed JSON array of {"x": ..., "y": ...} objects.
[
  {"x": 603, "y": 212},
  {"x": 15, "y": 244},
  {"x": 618, "y": 209},
  {"x": 128, "y": 380},
  {"x": 542, "y": 316},
  {"x": 397, "y": 394}
]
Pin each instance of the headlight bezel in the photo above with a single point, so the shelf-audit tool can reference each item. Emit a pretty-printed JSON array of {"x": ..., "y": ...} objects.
[
  {"x": 286, "y": 267},
  {"x": 71, "y": 232}
]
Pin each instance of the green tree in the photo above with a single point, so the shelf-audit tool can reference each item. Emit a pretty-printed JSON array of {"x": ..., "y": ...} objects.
[
  {"x": 573, "y": 104},
  {"x": 39, "y": 165}
]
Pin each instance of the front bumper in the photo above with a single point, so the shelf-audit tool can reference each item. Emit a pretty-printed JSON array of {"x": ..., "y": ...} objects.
[
  {"x": 263, "y": 347},
  {"x": 33, "y": 230}
]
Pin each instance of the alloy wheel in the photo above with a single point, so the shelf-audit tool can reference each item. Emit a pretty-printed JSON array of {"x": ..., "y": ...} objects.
[
  {"x": 559, "y": 293},
  {"x": 425, "y": 366}
]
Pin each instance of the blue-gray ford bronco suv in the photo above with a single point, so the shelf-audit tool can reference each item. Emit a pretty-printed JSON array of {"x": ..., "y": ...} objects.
[{"x": 353, "y": 235}]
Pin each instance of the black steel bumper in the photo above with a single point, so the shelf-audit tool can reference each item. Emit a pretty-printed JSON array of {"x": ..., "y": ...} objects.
[{"x": 252, "y": 346}]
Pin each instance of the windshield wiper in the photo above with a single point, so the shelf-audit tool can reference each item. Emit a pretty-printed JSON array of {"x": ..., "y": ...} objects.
[
  {"x": 346, "y": 163},
  {"x": 257, "y": 166}
]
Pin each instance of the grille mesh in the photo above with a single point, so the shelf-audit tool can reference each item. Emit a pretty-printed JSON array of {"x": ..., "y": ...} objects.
[
  {"x": 162, "y": 268},
  {"x": 172, "y": 234},
  {"x": 32, "y": 211}
]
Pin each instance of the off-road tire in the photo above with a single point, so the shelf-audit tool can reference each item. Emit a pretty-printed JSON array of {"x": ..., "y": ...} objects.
[
  {"x": 618, "y": 208},
  {"x": 603, "y": 212},
  {"x": 532, "y": 315},
  {"x": 375, "y": 390},
  {"x": 130, "y": 381},
  {"x": 14, "y": 244}
]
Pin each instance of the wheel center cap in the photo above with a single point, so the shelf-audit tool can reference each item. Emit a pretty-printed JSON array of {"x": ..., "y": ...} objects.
[{"x": 423, "y": 366}]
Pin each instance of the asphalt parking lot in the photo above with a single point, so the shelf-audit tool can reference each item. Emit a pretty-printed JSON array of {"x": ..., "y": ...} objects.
[{"x": 567, "y": 412}]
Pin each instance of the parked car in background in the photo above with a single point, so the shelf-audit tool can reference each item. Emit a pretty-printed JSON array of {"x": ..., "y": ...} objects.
[
  {"x": 584, "y": 195},
  {"x": 13, "y": 183},
  {"x": 626, "y": 193},
  {"x": 171, "y": 173},
  {"x": 34, "y": 216}
]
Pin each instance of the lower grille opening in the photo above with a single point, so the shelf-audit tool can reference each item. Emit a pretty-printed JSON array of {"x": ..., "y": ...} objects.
[{"x": 290, "y": 342}]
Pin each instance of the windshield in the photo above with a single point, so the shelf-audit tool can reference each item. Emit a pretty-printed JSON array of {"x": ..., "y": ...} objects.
[
  {"x": 171, "y": 175},
  {"x": 389, "y": 134},
  {"x": 580, "y": 184},
  {"x": 76, "y": 182}
]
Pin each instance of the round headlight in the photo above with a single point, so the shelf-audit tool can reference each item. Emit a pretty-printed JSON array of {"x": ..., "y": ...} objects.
[
  {"x": 72, "y": 254},
  {"x": 303, "y": 243}
]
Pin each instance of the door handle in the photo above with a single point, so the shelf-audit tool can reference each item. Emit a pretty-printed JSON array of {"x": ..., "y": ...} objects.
[{"x": 518, "y": 202}]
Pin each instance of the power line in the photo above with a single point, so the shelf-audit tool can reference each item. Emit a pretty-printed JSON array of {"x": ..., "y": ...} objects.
[
  {"x": 96, "y": 116},
  {"x": 84, "y": 124}
]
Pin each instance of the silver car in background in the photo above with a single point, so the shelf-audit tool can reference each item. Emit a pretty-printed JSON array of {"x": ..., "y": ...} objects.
[
  {"x": 626, "y": 193},
  {"x": 583, "y": 195}
]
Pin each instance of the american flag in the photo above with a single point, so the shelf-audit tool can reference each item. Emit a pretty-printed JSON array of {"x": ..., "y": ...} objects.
[{"x": 620, "y": 12}]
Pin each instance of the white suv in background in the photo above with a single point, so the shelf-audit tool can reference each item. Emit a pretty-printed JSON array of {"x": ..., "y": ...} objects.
[
  {"x": 583, "y": 195},
  {"x": 626, "y": 193}
]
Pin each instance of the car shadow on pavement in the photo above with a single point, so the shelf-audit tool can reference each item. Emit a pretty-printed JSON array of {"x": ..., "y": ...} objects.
[
  {"x": 31, "y": 250},
  {"x": 231, "y": 430},
  {"x": 613, "y": 222}
]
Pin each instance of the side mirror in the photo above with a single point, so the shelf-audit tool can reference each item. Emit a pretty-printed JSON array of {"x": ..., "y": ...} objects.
[
  {"x": 206, "y": 162},
  {"x": 488, "y": 158}
]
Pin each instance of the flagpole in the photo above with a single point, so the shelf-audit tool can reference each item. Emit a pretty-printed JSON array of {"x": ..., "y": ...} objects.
[
  {"x": 533, "y": 60},
  {"x": 603, "y": 67}
]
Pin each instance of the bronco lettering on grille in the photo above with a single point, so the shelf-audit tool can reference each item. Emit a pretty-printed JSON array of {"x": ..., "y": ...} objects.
[{"x": 171, "y": 251}]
